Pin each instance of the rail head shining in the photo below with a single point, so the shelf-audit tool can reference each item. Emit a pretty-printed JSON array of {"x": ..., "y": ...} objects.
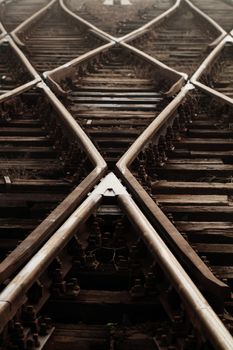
[
  {"x": 206, "y": 68},
  {"x": 55, "y": 76},
  {"x": 76, "y": 129},
  {"x": 180, "y": 77},
  {"x": 189, "y": 257},
  {"x": 41, "y": 233},
  {"x": 201, "y": 314},
  {"x": 210, "y": 59}
]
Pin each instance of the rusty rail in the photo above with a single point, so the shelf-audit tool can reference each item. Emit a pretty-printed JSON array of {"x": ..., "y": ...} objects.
[
  {"x": 167, "y": 70},
  {"x": 202, "y": 316},
  {"x": 33, "y": 242},
  {"x": 205, "y": 68},
  {"x": 55, "y": 76},
  {"x": 168, "y": 231}
]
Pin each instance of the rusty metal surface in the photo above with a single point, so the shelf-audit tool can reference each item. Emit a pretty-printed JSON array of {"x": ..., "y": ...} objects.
[
  {"x": 89, "y": 75},
  {"x": 202, "y": 316},
  {"x": 189, "y": 34},
  {"x": 186, "y": 253},
  {"x": 27, "y": 248}
]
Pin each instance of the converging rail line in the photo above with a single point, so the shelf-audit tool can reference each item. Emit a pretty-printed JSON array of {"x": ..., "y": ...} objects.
[
  {"x": 112, "y": 20},
  {"x": 116, "y": 148},
  {"x": 114, "y": 95},
  {"x": 108, "y": 243},
  {"x": 220, "y": 11},
  {"x": 181, "y": 40},
  {"x": 15, "y": 12},
  {"x": 186, "y": 169},
  {"x": 54, "y": 38}
]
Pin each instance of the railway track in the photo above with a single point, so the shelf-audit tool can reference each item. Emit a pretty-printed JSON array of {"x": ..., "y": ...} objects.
[
  {"x": 56, "y": 38},
  {"x": 80, "y": 263},
  {"x": 103, "y": 287},
  {"x": 114, "y": 96},
  {"x": 13, "y": 72},
  {"x": 15, "y": 12},
  {"x": 112, "y": 19},
  {"x": 41, "y": 164},
  {"x": 217, "y": 75},
  {"x": 220, "y": 11},
  {"x": 116, "y": 304},
  {"x": 181, "y": 41},
  {"x": 190, "y": 180}
]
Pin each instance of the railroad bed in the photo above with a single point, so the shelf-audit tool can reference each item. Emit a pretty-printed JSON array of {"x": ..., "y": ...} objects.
[
  {"x": 102, "y": 288},
  {"x": 40, "y": 165},
  {"x": 191, "y": 180},
  {"x": 15, "y": 12},
  {"x": 56, "y": 39},
  {"x": 81, "y": 266},
  {"x": 114, "y": 97},
  {"x": 12, "y": 71},
  {"x": 220, "y": 10},
  {"x": 118, "y": 20},
  {"x": 181, "y": 41},
  {"x": 112, "y": 293}
]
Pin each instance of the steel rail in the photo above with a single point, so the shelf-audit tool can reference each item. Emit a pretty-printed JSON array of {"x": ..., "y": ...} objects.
[
  {"x": 167, "y": 70},
  {"x": 168, "y": 14},
  {"x": 19, "y": 90},
  {"x": 69, "y": 68},
  {"x": 2, "y": 28},
  {"x": 22, "y": 58},
  {"x": 142, "y": 30},
  {"x": 211, "y": 20},
  {"x": 29, "y": 22},
  {"x": 102, "y": 34},
  {"x": 123, "y": 38},
  {"x": 211, "y": 58},
  {"x": 54, "y": 76},
  {"x": 168, "y": 231},
  {"x": 217, "y": 94},
  {"x": 39, "y": 235},
  {"x": 3, "y": 31},
  {"x": 25, "y": 62},
  {"x": 201, "y": 314},
  {"x": 139, "y": 32},
  {"x": 35, "y": 76},
  {"x": 205, "y": 68}
]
